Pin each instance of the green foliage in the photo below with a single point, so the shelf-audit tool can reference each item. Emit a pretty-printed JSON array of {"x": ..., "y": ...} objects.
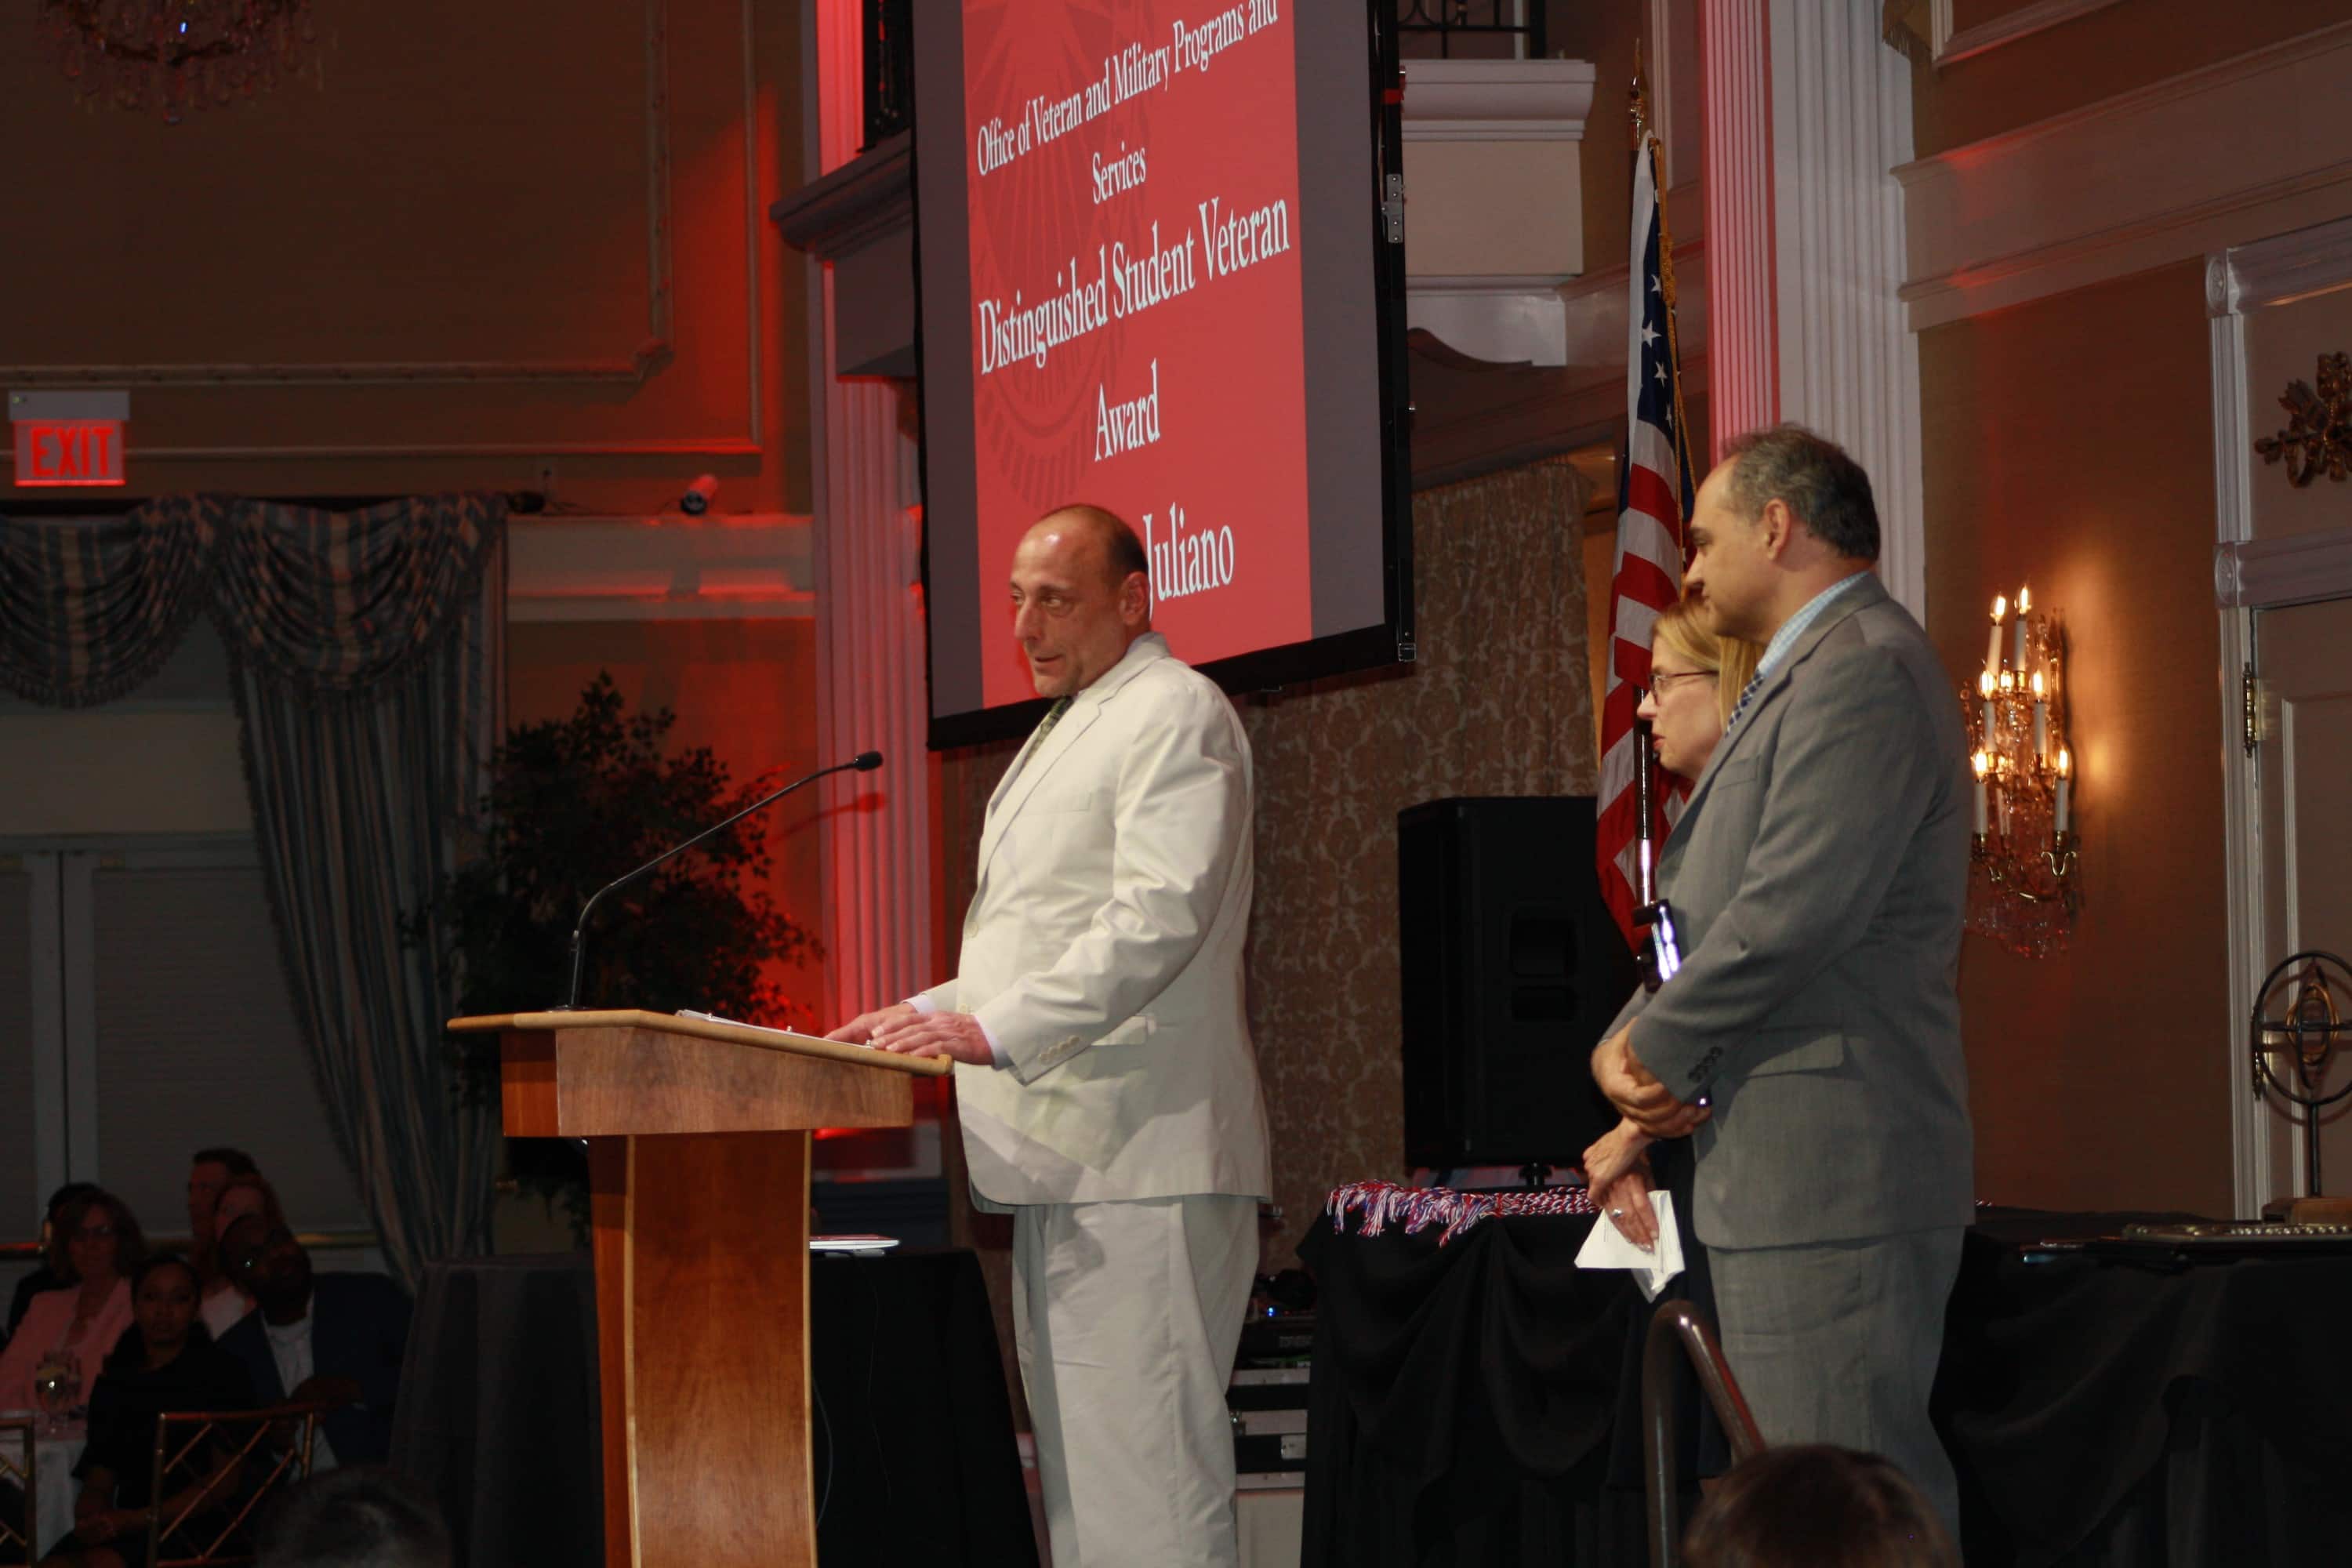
[{"x": 574, "y": 803}]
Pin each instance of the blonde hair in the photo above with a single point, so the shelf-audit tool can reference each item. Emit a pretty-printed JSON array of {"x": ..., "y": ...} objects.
[{"x": 1732, "y": 660}]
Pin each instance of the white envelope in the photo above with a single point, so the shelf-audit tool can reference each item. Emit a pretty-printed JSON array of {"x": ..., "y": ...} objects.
[{"x": 1607, "y": 1248}]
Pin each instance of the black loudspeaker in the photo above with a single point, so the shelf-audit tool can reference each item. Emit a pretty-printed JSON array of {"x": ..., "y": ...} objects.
[{"x": 1512, "y": 968}]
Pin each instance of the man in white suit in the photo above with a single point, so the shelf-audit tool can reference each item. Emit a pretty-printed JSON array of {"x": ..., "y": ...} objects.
[{"x": 1104, "y": 1073}]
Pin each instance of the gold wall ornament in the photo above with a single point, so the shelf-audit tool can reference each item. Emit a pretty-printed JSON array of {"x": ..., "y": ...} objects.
[
  {"x": 2024, "y": 851},
  {"x": 2319, "y": 436}
]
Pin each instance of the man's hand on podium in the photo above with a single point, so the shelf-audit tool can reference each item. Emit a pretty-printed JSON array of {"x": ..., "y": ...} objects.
[
  {"x": 954, "y": 1034},
  {"x": 861, "y": 1030}
]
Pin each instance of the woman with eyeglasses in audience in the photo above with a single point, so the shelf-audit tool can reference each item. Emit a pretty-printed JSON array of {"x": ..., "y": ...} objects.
[
  {"x": 44, "y": 1277},
  {"x": 93, "y": 1246}
]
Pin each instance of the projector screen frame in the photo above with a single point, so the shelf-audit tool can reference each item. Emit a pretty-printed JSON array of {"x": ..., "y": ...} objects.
[{"x": 1267, "y": 671}]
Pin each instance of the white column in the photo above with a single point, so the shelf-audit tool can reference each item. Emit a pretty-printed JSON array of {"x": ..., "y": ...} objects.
[
  {"x": 1848, "y": 364},
  {"x": 1743, "y": 378},
  {"x": 874, "y": 852}
]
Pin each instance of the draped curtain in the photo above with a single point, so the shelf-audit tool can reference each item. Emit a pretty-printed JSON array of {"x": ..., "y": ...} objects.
[{"x": 366, "y": 651}]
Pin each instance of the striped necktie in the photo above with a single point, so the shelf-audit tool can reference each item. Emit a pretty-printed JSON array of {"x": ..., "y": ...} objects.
[
  {"x": 1747, "y": 695},
  {"x": 1038, "y": 736}
]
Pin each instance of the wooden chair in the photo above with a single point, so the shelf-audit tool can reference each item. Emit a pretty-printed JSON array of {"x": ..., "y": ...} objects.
[
  {"x": 251, "y": 1456},
  {"x": 19, "y": 1466}
]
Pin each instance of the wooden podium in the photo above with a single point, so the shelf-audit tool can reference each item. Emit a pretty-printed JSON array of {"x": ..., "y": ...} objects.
[{"x": 699, "y": 1172}]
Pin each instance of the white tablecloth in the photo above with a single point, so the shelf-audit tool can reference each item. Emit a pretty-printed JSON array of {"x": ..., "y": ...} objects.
[{"x": 53, "y": 1514}]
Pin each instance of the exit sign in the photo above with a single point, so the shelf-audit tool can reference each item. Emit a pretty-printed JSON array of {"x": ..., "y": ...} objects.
[{"x": 69, "y": 439}]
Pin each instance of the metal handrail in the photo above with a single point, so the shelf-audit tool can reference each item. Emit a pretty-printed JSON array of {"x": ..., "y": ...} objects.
[
  {"x": 1679, "y": 1325},
  {"x": 316, "y": 1241}
]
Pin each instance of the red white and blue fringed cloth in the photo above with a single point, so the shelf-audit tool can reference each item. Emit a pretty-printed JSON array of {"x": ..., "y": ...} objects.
[{"x": 1384, "y": 1204}]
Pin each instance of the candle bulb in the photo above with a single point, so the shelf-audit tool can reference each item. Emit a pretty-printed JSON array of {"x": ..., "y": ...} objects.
[
  {"x": 1984, "y": 689},
  {"x": 2040, "y": 718},
  {"x": 1992, "y": 647},
  {"x": 2024, "y": 602},
  {"x": 1980, "y": 764},
  {"x": 2062, "y": 815}
]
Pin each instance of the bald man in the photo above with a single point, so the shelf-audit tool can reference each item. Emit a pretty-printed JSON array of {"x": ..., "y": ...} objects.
[{"x": 1104, "y": 1072}]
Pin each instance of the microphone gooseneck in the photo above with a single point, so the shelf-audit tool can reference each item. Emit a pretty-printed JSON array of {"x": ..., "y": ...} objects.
[{"x": 864, "y": 762}]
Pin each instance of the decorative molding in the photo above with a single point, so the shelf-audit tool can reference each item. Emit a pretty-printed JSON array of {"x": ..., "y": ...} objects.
[
  {"x": 2183, "y": 167},
  {"x": 2271, "y": 573},
  {"x": 689, "y": 446},
  {"x": 1596, "y": 303},
  {"x": 647, "y": 359},
  {"x": 754, "y": 566},
  {"x": 1848, "y": 363},
  {"x": 1951, "y": 48},
  {"x": 1736, "y": 41},
  {"x": 642, "y": 361},
  {"x": 870, "y": 195},
  {"x": 1498, "y": 100},
  {"x": 2250, "y": 1153},
  {"x": 2280, "y": 270},
  {"x": 650, "y": 356},
  {"x": 872, "y": 687},
  {"x": 1502, "y": 321}
]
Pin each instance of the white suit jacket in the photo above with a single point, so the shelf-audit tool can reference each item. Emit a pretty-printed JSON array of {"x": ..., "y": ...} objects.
[{"x": 1103, "y": 952}]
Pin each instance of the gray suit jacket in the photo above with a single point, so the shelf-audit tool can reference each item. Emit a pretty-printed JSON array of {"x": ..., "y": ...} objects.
[{"x": 1819, "y": 873}]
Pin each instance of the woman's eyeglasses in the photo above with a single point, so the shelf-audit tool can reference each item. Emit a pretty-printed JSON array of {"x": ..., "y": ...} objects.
[{"x": 1659, "y": 683}]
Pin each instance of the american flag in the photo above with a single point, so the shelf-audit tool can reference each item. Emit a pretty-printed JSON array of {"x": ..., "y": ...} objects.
[{"x": 1653, "y": 502}]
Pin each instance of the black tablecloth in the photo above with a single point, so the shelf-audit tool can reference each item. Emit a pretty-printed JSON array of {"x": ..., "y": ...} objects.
[
  {"x": 1476, "y": 1404},
  {"x": 914, "y": 1455},
  {"x": 2103, "y": 1412},
  {"x": 1465, "y": 1399},
  {"x": 497, "y": 1415}
]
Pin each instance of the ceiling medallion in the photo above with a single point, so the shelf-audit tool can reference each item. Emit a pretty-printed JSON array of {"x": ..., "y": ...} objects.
[
  {"x": 172, "y": 55},
  {"x": 2319, "y": 436}
]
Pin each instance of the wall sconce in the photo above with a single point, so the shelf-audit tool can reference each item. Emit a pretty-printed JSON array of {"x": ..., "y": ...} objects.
[{"x": 2021, "y": 890}]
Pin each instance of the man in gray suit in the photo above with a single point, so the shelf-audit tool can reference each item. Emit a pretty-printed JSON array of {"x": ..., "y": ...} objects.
[{"x": 1811, "y": 1043}]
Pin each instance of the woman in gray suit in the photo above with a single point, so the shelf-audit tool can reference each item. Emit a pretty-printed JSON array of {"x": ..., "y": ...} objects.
[{"x": 1696, "y": 678}]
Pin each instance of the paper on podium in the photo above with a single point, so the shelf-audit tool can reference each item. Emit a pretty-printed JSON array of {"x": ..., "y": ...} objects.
[{"x": 1607, "y": 1248}]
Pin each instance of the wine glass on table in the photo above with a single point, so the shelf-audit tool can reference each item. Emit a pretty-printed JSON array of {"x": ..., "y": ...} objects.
[{"x": 57, "y": 1389}]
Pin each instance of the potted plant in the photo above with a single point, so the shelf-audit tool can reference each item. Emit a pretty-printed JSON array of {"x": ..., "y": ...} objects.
[{"x": 574, "y": 803}]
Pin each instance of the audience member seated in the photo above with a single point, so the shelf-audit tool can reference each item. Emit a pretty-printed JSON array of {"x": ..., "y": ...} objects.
[
  {"x": 210, "y": 1170},
  {"x": 44, "y": 1277},
  {"x": 365, "y": 1517},
  {"x": 335, "y": 1337},
  {"x": 92, "y": 1246},
  {"x": 1817, "y": 1507},
  {"x": 165, "y": 1361},
  {"x": 241, "y": 1196}
]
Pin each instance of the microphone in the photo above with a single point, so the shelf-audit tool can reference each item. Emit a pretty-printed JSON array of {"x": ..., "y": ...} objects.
[{"x": 864, "y": 762}]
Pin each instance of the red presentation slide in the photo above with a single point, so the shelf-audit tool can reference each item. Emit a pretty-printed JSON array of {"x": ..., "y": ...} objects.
[{"x": 1132, "y": 169}]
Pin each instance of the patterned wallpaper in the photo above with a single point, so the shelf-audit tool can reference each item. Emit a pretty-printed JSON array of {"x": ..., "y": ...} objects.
[{"x": 1499, "y": 702}]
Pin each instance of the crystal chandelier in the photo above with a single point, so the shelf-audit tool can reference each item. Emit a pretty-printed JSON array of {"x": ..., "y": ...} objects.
[
  {"x": 172, "y": 55},
  {"x": 2021, "y": 890}
]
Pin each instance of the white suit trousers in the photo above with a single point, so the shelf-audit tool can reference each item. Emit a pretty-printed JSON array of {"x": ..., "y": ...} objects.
[{"x": 1127, "y": 1316}]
